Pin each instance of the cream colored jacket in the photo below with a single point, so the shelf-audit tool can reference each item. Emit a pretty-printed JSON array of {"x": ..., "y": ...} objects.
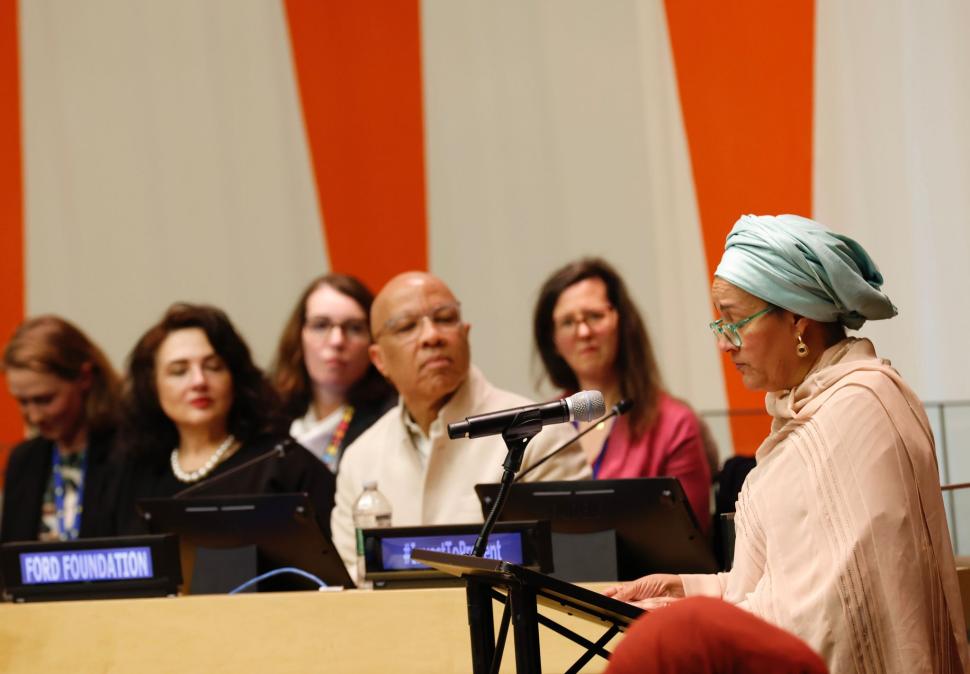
[
  {"x": 841, "y": 533},
  {"x": 441, "y": 491}
]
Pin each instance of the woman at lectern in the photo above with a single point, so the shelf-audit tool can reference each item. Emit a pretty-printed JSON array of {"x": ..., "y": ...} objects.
[
  {"x": 59, "y": 484},
  {"x": 841, "y": 532},
  {"x": 195, "y": 406},
  {"x": 589, "y": 335},
  {"x": 331, "y": 392}
]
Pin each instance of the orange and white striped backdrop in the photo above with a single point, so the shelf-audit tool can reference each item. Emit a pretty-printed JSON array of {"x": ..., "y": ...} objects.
[{"x": 228, "y": 150}]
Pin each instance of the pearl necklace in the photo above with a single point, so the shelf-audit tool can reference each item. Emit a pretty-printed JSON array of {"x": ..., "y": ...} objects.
[{"x": 206, "y": 468}]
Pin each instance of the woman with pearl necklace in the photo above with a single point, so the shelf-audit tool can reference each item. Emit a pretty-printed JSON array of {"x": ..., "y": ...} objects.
[{"x": 196, "y": 406}]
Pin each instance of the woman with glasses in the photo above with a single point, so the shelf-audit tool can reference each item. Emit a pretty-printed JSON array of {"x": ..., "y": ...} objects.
[
  {"x": 330, "y": 390},
  {"x": 589, "y": 335},
  {"x": 195, "y": 408},
  {"x": 841, "y": 533},
  {"x": 60, "y": 482}
]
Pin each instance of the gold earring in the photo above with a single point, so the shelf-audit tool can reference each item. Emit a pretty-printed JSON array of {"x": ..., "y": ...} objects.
[{"x": 802, "y": 348}]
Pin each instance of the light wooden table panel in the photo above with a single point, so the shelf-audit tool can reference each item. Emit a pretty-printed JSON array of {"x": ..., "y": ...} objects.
[{"x": 397, "y": 631}]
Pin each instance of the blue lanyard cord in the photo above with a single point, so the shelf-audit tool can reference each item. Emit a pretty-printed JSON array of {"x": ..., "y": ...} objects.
[
  {"x": 598, "y": 464},
  {"x": 65, "y": 532}
]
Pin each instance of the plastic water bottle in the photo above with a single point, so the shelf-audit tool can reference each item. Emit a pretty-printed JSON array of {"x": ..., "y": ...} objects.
[{"x": 371, "y": 511}]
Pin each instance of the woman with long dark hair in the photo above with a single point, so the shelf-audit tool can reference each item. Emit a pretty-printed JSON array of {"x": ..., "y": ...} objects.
[
  {"x": 58, "y": 483},
  {"x": 196, "y": 406},
  {"x": 589, "y": 335},
  {"x": 330, "y": 390}
]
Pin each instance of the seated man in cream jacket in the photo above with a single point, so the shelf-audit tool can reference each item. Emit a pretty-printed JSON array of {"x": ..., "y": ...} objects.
[{"x": 421, "y": 346}]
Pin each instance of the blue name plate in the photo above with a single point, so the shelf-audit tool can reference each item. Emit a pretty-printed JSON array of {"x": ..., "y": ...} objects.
[
  {"x": 82, "y": 566},
  {"x": 396, "y": 551}
]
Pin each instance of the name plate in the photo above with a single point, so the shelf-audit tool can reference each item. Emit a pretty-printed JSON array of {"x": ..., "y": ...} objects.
[
  {"x": 396, "y": 550},
  {"x": 388, "y": 551},
  {"x": 81, "y": 566},
  {"x": 91, "y": 568}
]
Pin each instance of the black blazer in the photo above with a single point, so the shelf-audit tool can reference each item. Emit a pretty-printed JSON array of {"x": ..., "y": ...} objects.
[
  {"x": 28, "y": 472},
  {"x": 148, "y": 476}
]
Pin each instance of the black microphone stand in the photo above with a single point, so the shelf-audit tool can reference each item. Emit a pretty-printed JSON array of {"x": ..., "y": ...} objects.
[
  {"x": 486, "y": 653},
  {"x": 524, "y": 427},
  {"x": 486, "y": 649}
]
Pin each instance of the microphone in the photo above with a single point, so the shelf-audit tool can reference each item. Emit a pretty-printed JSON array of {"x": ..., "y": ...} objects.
[
  {"x": 622, "y": 407},
  {"x": 582, "y": 406}
]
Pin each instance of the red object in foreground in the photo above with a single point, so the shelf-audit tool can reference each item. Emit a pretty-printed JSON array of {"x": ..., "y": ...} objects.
[{"x": 703, "y": 635}]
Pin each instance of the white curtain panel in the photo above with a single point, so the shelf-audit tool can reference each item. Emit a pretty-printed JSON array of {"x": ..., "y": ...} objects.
[
  {"x": 892, "y": 168},
  {"x": 165, "y": 160},
  {"x": 554, "y": 132}
]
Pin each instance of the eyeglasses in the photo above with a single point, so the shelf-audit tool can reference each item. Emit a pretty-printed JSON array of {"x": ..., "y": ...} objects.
[
  {"x": 592, "y": 318},
  {"x": 732, "y": 330},
  {"x": 407, "y": 327},
  {"x": 353, "y": 328}
]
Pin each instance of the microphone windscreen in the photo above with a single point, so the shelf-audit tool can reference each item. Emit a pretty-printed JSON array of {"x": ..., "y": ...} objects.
[{"x": 586, "y": 406}]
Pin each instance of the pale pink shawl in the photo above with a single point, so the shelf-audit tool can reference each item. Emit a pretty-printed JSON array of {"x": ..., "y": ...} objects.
[{"x": 841, "y": 532}]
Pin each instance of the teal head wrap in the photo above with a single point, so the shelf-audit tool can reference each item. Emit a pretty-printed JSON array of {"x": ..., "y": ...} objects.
[{"x": 797, "y": 264}]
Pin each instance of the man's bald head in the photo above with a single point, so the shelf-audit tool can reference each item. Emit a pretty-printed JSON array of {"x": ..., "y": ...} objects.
[
  {"x": 420, "y": 343},
  {"x": 398, "y": 289}
]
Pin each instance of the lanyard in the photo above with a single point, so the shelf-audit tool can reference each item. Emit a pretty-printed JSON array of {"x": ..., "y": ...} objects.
[
  {"x": 67, "y": 532},
  {"x": 330, "y": 453},
  {"x": 598, "y": 464}
]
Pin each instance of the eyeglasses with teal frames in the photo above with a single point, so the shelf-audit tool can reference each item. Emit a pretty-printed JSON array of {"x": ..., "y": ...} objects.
[{"x": 731, "y": 331}]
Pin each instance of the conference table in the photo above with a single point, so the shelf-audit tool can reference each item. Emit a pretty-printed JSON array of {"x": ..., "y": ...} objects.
[{"x": 401, "y": 631}]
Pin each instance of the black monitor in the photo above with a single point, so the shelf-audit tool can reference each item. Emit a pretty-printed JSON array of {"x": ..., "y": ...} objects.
[
  {"x": 91, "y": 568},
  {"x": 269, "y": 531},
  {"x": 655, "y": 529}
]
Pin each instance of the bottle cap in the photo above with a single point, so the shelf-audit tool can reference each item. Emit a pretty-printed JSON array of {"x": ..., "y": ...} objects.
[{"x": 370, "y": 484}]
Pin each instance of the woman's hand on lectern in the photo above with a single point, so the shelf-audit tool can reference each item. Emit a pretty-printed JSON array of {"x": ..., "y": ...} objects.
[{"x": 649, "y": 592}]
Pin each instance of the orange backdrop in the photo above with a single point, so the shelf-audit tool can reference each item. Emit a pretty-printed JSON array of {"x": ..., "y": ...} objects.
[
  {"x": 11, "y": 212},
  {"x": 745, "y": 77},
  {"x": 359, "y": 70}
]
